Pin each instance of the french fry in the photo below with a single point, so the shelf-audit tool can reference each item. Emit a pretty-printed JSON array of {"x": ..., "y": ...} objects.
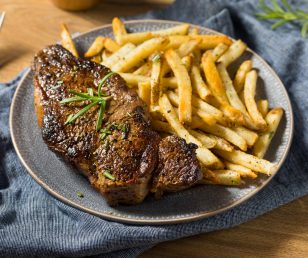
[
  {"x": 221, "y": 143},
  {"x": 144, "y": 92},
  {"x": 67, "y": 41},
  {"x": 134, "y": 79},
  {"x": 200, "y": 104},
  {"x": 223, "y": 132},
  {"x": 111, "y": 45},
  {"x": 140, "y": 37},
  {"x": 156, "y": 88},
  {"x": 204, "y": 155},
  {"x": 105, "y": 55},
  {"x": 175, "y": 41},
  {"x": 96, "y": 59},
  {"x": 222, "y": 177},
  {"x": 233, "y": 98},
  {"x": 249, "y": 97},
  {"x": 188, "y": 47},
  {"x": 161, "y": 126},
  {"x": 244, "y": 171},
  {"x": 207, "y": 142},
  {"x": 118, "y": 55},
  {"x": 219, "y": 50},
  {"x": 206, "y": 117},
  {"x": 262, "y": 106},
  {"x": 211, "y": 41},
  {"x": 141, "y": 52},
  {"x": 250, "y": 136},
  {"x": 239, "y": 79},
  {"x": 194, "y": 31},
  {"x": 273, "y": 119},
  {"x": 118, "y": 29},
  {"x": 212, "y": 76},
  {"x": 187, "y": 62},
  {"x": 233, "y": 52},
  {"x": 198, "y": 84},
  {"x": 254, "y": 163},
  {"x": 96, "y": 47},
  {"x": 184, "y": 85},
  {"x": 145, "y": 69}
]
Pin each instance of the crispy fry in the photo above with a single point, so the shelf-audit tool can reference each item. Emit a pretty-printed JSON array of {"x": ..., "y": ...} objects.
[
  {"x": 211, "y": 41},
  {"x": 244, "y": 171},
  {"x": 249, "y": 136},
  {"x": 194, "y": 31},
  {"x": 118, "y": 29},
  {"x": 273, "y": 119},
  {"x": 240, "y": 75},
  {"x": 203, "y": 154},
  {"x": 198, "y": 84},
  {"x": 175, "y": 41},
  {"x": 184, "y": 85},
  {"x": 212, "y": 76},
  {"x": 223, "y": 132},
  {"x": 96, "y": 59},
  {"x": 262, "y": 105},
  {"x": 206, "y": 117},
  {"x": 187, "y": 62},
  {"x": 207, "y": 142},
  {"x": 118, "y": 55},
  {"x": 145, "y": 69},
  {"x": 233, "y": 98},
  {"x": 219, "y": 50},
  {"x": 140, "y": 37},
  {"x": 161, "y": 126},
  {"x": 67, "y": 41},
  {"x": 188, "y": 47},
  {"x": 96, "y": 47},
  {"x": 221, "y": 143},
  {"x": 233, "y": 52},
  {"x": 221, "y": 177},
  {"x": 249, "y": 96},
  {"x": 111, "y": 45},
  {"x": 254, "y": 163},
  {"x": 142, "y": 51},
  {"x": 144, "y": 92},
  {"x": 156, "y": 87}
]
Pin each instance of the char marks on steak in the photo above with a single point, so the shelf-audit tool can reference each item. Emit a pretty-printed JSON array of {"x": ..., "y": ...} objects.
[
  {"x": 130, "y": 159},
  {"x": 178, "y": 167}
]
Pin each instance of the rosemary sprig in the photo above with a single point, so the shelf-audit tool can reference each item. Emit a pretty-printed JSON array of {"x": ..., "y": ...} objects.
[
  {"x": 109, "y": 175},
  {"x": 284, "y": 14},
  {"x": 99, "y": 99}
]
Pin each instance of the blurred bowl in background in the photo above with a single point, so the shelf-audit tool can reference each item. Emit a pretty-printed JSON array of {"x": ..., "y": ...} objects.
[{"x": 75, "y": 5}]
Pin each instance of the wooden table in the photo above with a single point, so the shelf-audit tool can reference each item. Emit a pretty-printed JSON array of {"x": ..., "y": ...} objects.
[{"x": 32, "y": 24}]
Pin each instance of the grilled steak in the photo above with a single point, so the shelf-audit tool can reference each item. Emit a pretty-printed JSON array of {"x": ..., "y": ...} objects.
[
  {"x": 129, "y": 156},
  {"x": 178, "y": 167}
]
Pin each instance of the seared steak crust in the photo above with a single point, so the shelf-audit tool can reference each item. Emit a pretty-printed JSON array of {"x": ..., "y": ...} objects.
[
  {"x": 130, "y": 158},
  {"x": 178, "y": 167}
]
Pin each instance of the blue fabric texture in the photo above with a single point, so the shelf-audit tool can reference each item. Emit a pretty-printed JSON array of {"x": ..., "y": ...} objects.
[{"x": 34, "y": 224}]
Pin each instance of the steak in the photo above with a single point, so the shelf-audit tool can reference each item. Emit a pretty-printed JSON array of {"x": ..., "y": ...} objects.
[
  {"x": 178, "y": 167},
  {"x": 130, "y": 158}
]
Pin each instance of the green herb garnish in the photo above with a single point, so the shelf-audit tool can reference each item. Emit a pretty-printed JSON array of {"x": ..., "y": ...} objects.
[
  {"x": 284, "y": 14},
  {"x": 58, "y": 85},
  {"x": 104, "y": 133},
  {"x": 80, "y": 194},
  {"x": 108, "y": 175},
  {"x": 156, "y": 58},
  {"x": 271, "y": 135},
  {"x": 99, "y": 99}
]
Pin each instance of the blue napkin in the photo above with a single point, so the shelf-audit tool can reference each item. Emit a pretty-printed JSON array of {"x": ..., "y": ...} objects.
[{"x": 34, "y": 224}]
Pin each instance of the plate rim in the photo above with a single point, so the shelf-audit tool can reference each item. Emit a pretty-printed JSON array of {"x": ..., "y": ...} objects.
[{"x": 141, "y": 221}]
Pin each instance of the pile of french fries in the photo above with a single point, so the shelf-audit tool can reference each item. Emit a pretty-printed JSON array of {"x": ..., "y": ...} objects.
[{"x": 183, "y": 78}]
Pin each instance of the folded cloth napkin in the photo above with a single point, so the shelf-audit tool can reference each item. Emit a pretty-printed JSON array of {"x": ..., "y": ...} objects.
[{"x": 34, "y": 224}]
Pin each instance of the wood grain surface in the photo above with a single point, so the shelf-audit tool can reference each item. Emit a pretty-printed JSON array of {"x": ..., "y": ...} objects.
[{"x": 32, "y": 24}]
